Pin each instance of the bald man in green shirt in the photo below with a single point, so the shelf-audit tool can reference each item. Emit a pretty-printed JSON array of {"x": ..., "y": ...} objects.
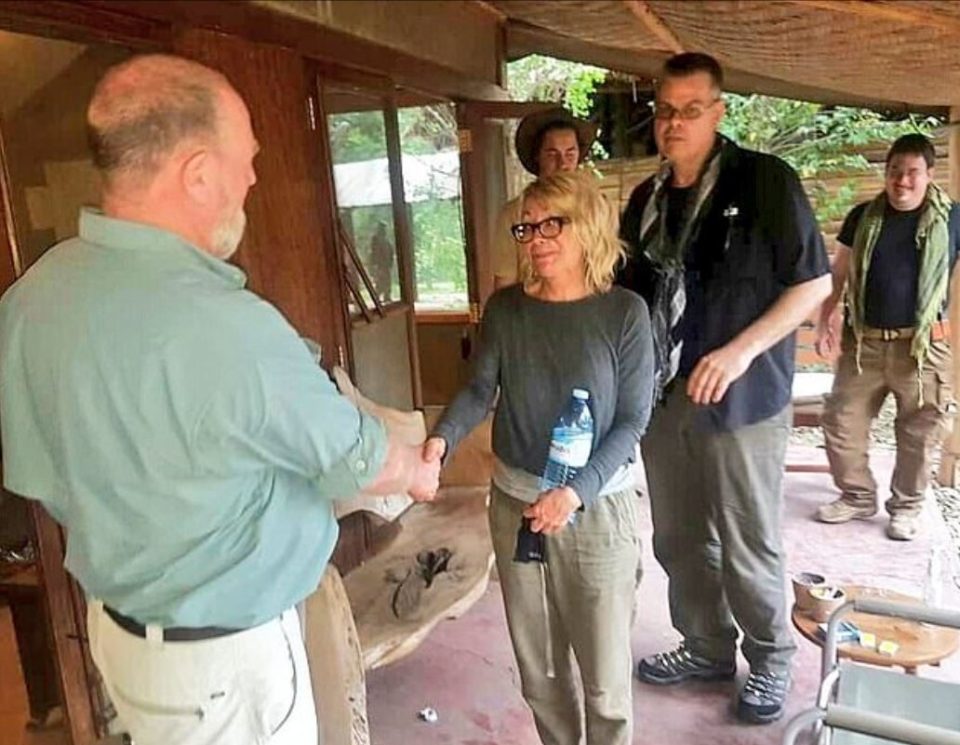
[{"x": 178, "y": 427}]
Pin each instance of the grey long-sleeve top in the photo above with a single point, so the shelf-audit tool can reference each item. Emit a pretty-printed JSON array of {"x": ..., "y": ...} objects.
[{"x": 537, "y": 352}]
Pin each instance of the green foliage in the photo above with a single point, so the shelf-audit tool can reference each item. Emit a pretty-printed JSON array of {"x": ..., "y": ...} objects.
[
  {"x": 816, "y": 140},
  {"x": 437, "y": 225},
  {"x": 571, "y": 84},
  {"x": 440, "y": 261},
  {"x": 537, "y": 78},
  {"x": 428, "y": 129},
  {"x": 357, "y": 136}
]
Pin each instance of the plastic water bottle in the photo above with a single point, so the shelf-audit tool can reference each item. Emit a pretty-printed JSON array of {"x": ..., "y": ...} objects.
[{"x": 570, "y": 443}]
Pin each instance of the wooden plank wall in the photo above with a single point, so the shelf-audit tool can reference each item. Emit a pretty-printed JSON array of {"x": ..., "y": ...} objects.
[{"x": 289, "y": 252}]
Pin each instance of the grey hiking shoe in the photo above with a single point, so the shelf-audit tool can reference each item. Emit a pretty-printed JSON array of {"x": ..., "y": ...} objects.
[
  {"x": 762, "y": 697},
  {"x": 681, "y": 664}
]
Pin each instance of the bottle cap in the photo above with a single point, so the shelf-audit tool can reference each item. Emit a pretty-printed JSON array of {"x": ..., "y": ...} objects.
[{"x": 581, "y": 393}]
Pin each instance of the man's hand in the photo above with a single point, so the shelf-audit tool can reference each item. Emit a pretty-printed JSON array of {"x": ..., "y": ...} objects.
[
  {"x": 407, "y": 469},
  {"x": 716, "y": 372},
  {"x": 551, "y": 512},
  {"x": 425, "y": 480},
  {"x": 828, "y": 335}
]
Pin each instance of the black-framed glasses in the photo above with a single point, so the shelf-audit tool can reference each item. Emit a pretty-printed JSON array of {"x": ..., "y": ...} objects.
[
  {"x": 691, "y": 111},
  {"x": 551, "y": 227}
]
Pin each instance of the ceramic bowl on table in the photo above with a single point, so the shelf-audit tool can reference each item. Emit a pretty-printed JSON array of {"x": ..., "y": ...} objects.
[{"x": 803, "y": 583}]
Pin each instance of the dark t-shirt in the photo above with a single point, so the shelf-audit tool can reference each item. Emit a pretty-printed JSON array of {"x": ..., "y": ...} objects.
[{"x": 890, "y": 297}]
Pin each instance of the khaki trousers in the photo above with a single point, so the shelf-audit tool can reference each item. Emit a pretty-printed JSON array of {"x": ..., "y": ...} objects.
[
  {"x": 887, "y": 367},
  {"x": 576, "y": 606},
  {"x": 249, "y": 688},
  {"x": 717, "y": 502}
]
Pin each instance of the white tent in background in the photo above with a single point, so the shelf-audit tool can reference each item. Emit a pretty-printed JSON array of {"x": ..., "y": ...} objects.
[{"x": 425, "y": 177}]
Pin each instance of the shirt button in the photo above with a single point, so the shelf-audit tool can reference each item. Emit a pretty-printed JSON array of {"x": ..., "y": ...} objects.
[{"x": 361, "y": 465}]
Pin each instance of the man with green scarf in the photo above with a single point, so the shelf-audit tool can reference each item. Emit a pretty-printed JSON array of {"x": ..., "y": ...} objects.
[{"x": 894, "y": 258}]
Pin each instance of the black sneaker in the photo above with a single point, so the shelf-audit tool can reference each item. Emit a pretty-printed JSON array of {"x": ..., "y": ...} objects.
[
  {"x": 681, "y": 664},
  {"x": 762, "y": 697}
]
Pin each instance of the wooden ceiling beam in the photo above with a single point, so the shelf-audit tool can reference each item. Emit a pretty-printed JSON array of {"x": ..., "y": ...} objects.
[
  {"x": 491, "y": 9},
  {"x": 258, "y": 22},
  {"x": 886, "y": 11},
  {"x": 655, "y": 24}
]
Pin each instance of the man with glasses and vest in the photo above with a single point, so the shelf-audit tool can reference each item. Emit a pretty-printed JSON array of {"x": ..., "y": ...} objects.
[
  {"x": 895, "y": 255},
  {"x": 724, "y": 247}
]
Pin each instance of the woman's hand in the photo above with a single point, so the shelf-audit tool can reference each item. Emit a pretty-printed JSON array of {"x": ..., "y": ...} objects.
[
  {"x": 434, "y": 449},
  {"x": 551, "y": 512}
]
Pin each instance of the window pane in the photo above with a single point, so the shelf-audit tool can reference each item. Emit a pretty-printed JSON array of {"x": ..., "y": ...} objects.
[
  {"x": 361, "y": 177},
  {"x": 431, "y": 184}
]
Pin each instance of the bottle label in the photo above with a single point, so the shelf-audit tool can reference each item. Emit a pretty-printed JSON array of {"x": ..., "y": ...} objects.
[{"x": 570, "y": 448}]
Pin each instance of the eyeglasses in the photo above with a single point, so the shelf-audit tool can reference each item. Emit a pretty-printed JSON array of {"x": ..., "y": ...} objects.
[
  {"x": 689, "y": 112},
  {"x": 523, "y": 232}
]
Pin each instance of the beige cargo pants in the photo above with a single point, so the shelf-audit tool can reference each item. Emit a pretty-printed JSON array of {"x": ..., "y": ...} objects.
[
  {"x": 578, "y": 606},
  {"x": 856, "y": 399}
]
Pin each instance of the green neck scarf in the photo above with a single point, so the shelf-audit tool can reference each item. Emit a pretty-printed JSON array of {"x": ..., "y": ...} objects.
[{"x": 932, "y": 241}]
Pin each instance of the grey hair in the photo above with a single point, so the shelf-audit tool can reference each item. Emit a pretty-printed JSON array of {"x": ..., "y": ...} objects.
[{"x": 142, "y": 109}]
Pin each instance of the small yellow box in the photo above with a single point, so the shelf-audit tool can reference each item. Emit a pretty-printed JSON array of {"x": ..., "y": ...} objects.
[
  {"x": 868, "y": 640},
  {"x": 888, "y": 648}
]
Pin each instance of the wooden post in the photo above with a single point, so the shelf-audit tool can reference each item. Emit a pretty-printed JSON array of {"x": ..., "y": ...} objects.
[
  {"x": 950, "y": 451},
  {"x": 10, "y": 267},
  {"x": 68, "y": 633},
  {"x": 473, "y": 205},
  {"x": 289, "y": 251},
  {"x": 404, "y": 242}
]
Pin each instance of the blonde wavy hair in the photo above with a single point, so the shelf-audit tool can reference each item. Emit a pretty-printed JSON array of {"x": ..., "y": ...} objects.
[{"x": 593, "y": 220}]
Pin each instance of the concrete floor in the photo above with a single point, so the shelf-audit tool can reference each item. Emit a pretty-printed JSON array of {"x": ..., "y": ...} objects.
[{"x": 465, "y": 669}]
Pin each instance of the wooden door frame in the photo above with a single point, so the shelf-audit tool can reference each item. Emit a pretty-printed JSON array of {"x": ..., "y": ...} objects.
[
  {"x": 11, "y": 263},
  {"x": 403, "y": 229}
]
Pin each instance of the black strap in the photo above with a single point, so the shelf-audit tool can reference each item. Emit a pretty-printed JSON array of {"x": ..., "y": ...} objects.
[{"x": 173, "y": 634}]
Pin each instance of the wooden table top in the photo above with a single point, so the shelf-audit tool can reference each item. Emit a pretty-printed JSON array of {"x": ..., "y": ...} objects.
[{"x": 919, "y": 644}]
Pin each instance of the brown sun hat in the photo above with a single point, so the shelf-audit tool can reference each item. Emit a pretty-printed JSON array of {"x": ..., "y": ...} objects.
[{"x": 528, "y": 134}]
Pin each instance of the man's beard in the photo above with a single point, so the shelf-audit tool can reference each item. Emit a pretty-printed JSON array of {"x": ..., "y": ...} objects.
[{"x": 228, "y": 234}]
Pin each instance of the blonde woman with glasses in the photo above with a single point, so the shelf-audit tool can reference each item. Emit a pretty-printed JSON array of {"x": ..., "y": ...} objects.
[{"x": 564, "y": 326}]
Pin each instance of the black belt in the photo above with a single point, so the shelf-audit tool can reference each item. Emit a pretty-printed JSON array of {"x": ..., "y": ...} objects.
[{"x": 173, "y": 634}]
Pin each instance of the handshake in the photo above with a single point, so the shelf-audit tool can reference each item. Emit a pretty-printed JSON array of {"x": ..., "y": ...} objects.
[{"x": 425, "y": 478}]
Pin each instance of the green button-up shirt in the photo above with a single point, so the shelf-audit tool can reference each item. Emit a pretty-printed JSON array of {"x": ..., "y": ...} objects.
[{"x": 177, "y": 426}]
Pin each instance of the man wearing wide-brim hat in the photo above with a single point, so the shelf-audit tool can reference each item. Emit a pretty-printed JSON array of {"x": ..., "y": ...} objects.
[{"x": 547, "y": 141}]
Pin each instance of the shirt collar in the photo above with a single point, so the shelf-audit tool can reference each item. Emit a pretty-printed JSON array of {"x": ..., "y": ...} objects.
[{"x": 95, "y": 227}]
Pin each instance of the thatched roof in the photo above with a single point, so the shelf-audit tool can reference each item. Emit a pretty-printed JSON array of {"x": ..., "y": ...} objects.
[{"x": 895, "y": 54}]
